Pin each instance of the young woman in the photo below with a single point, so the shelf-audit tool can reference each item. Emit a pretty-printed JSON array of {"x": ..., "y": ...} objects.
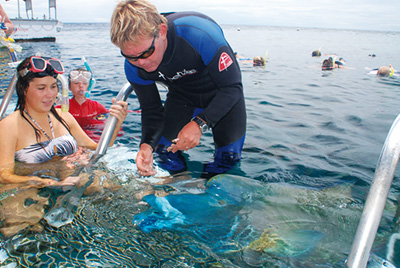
[
  {"x": 35, "y": 142},
  {"x": 36, "y": 132}
]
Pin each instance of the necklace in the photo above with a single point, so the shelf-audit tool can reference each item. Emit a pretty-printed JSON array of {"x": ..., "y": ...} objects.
[{"x": 44, "y": 132}]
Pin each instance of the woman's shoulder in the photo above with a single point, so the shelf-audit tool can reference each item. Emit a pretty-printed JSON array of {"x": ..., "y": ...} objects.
[
  {"x": 11, "y": 119},
  {"x": 9, "y": 125}
]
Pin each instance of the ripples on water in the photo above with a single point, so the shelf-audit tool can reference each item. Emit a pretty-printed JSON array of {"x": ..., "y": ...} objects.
[{"x": 308, "y": 130}]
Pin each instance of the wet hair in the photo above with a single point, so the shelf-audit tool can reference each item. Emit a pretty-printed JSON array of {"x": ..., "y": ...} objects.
[
  {"x": 316, "y": 53},
  {"x": 383, "y": 71},
  {"x": 258, "y": 61},
  {"x": 134, "y": 19},
  {"x": 22, "y": 86},
  {"x": 327, "y": 64}
]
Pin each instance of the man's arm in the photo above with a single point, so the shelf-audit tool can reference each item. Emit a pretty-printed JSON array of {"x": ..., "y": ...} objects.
[
  {"x": 225, "y": 72},
  {"x": 152, "y": 113}
]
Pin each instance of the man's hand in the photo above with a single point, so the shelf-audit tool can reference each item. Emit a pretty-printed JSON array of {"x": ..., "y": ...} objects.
[
  {"x": 188, "y": 138},
  {"x": 144, "y": 160}
]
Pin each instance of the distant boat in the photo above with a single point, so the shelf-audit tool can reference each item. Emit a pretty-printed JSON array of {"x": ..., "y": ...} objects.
[{"x": 35, "y": 29}]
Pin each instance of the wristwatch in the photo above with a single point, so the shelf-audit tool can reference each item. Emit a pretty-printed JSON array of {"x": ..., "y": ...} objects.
[{"x": 202, "y": 124}]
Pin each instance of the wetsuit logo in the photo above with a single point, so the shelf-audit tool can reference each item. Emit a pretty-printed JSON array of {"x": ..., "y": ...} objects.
[
  {"x": 224, "y": 61},
  {"x": 178, "y": 75}
]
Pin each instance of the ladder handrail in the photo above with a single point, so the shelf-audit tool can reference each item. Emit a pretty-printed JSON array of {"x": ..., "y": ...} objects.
[
  {"x": 108, "y": 130},
  {"x": 7, "y": 97},
  {"x": 376, "y": 199}
]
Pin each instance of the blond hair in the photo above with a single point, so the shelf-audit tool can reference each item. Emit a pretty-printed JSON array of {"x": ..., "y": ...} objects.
[
  {"x": 134, "y": 19},
  {"x": 383, "y": 71}
]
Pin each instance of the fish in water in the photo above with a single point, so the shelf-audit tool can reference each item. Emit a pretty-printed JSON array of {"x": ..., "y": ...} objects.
[
  {"x": 63, "y": 211},
  {"x": 276, "y": 218}
]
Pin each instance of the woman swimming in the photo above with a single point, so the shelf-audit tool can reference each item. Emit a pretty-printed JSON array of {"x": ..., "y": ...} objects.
[{"x": 38, "y": 134}]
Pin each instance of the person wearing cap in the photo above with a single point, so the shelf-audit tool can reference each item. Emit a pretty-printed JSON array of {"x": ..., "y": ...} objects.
[{"x": 187, "y": 52}]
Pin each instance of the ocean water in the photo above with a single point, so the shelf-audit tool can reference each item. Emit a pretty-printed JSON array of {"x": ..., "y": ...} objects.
[{"x": 312, "y": 145}]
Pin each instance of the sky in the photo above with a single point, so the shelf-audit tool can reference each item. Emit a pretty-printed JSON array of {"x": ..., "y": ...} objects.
[{"x": 336, "y": 14}]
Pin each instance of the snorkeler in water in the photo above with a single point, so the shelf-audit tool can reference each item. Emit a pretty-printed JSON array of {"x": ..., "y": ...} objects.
[
  {"x": 332, "y": 63},
  {"x": 258, "y": 61},
  {"x": 316, "y": 53},
  {"x": 385, "y": 71}
]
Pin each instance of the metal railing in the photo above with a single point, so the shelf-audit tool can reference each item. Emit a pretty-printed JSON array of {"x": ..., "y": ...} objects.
[
  {"x": 7, "y": 96},
  {"x": 376, "y": 199},
  {"x": 108, "y": 131}
]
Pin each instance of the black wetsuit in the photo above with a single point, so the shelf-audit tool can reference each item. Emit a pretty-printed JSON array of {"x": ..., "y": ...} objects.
[{"x": 203, "y": 77}]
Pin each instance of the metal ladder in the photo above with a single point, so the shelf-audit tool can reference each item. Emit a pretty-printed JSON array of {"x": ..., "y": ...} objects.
[
  {"x": 7, "y": 96},
  {"x": 376, "y": 199}
]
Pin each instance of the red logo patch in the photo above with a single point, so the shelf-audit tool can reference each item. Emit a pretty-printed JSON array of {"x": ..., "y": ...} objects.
[{"x": 224, "y": 61}]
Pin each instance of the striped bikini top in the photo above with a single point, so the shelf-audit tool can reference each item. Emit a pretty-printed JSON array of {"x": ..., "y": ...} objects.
[{"x": 46, "y": 150}]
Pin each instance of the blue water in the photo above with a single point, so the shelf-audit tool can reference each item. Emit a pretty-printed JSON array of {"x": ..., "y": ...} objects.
[{"x": 313, "y": 142}]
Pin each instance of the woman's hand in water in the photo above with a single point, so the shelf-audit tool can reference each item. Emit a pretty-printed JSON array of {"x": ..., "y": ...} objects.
[{"x": 69, "y": 181}]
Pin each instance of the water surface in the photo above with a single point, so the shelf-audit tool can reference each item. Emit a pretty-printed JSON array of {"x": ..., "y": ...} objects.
[{"x": 313, "y": 141}]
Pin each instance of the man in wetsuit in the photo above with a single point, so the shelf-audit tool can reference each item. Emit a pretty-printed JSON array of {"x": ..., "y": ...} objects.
[{"x": 188, "y": 53}]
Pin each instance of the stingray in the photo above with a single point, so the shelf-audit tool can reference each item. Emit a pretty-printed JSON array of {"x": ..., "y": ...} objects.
[
  {"x": 237, "y": 209},
  {"x": 63, "y": 211}
]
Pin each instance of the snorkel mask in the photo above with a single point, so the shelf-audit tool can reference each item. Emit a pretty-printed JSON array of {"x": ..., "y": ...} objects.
[
  {"x": 80, "y": 76},
  {"x": 38, "y": 65},
  {"x": 83, "y": 76}
]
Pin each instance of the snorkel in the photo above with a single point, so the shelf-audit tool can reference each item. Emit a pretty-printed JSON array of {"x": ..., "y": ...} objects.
[
  {"x": 265, "y": 59},
  {"x": 64, "y": 98},
  {"x": 92, "y": 80},
  {"x": 391, "y": 70}
]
